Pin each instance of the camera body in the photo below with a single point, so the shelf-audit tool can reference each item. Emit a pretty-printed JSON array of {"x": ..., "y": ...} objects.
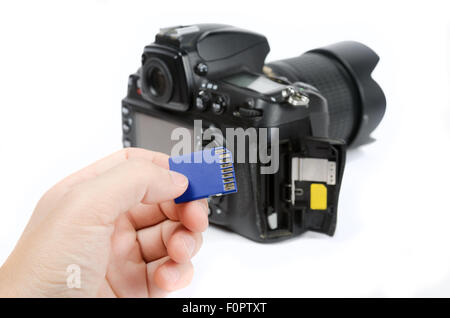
[{"x": 216, "y": 74}]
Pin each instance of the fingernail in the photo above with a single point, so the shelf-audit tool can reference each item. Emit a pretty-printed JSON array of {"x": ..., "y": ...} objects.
[
  {"x": 189, "y": 244},
  {"x": 171, "y": 274},
  {"x": 178, "y": 178}
]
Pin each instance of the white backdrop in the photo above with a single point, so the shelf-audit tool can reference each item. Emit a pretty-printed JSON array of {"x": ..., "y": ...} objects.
[{"x": 63, "y": 72}]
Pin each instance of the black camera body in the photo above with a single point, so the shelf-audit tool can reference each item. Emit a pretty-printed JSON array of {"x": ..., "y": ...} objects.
[{"x": 319, "y": 103}]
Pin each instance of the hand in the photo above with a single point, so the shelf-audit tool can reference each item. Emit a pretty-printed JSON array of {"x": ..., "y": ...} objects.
[{"x": 117, "y": 222}]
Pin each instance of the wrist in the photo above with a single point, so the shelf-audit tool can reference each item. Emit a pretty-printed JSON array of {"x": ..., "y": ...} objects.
[
  {"x": 6, "y": 289},
  {"x": 14, "y": 283}
]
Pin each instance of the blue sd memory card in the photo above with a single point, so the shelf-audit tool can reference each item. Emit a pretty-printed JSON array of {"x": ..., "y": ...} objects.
[{"x": 210, "y": 172}]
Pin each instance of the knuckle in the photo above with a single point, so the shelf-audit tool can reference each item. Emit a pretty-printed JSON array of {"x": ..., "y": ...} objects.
[
  {"x": 137, "y": 163},
  {"x": 130, "y": 153},
  {"x": 133, "y": 154}
]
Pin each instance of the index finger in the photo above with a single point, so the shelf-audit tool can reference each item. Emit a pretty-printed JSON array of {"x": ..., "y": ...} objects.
[{"x": 104, "y": 164}]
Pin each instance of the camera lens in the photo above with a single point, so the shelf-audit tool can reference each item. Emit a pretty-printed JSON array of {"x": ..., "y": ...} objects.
[
  {"x": 157, "y": 84},
  {"x": 342, "y": 74}
]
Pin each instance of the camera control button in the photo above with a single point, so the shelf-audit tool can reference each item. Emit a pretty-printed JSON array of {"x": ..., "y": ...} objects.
[
  {"x": 247, "y": 112},
  {"x": 203, "y": 100},
  {"x": 129, "y": 121},
  {"x": 126, "y": 128},
  {"x": 219, "y": 105},
  {"x": 125, "y": 111},
  {"x": 201, "y": 69},
  {"x": 217, "y": 108},
  {"x": 126, "y": 143},
  {"x": 250, "y": 103}
]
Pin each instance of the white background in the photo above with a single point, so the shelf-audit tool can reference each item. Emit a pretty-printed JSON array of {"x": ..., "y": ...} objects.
[{"x": 63, "y": 72}]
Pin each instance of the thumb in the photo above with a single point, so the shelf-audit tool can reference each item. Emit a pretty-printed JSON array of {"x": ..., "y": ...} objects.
[{"x": 123, "y": 187}]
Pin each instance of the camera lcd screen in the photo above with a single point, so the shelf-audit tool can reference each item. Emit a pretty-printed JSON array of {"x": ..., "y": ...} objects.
[
  {"x": 154, "y": 133},
  {"x": 256, "y": 83}
]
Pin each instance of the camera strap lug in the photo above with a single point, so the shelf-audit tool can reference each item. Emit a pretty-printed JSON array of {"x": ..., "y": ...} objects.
[{"x": 294, "y": 97}]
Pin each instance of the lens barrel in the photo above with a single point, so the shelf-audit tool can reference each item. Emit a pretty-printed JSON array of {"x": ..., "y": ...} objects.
[{"x": 342, "y": 74}]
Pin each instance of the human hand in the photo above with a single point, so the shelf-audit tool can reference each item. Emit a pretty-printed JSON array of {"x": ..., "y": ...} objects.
[{"x": 117, "y": 221}]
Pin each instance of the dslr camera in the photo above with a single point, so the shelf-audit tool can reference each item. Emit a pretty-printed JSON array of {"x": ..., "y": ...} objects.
[{"x": 317, "y": 104}]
